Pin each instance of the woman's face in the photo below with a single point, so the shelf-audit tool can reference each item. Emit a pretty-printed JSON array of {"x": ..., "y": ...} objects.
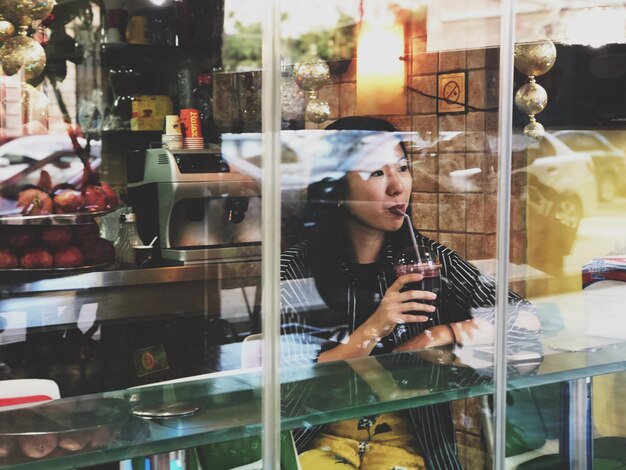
[{"x": 378, "y": 194}]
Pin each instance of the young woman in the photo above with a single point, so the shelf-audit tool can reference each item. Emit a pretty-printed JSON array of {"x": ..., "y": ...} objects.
[{"x": 357, "y": 228}]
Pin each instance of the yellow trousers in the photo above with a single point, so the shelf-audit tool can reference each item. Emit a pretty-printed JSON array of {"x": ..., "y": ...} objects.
[{"x": 380, "y": 442}]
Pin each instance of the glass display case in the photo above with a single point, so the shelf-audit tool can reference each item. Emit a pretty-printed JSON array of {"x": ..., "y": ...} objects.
[{"x": 365, "y": 234}]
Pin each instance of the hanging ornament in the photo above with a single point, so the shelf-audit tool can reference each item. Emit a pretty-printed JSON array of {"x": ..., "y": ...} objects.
[
  {"x": 317, "y": 110},
  {"x": 311, "y": 76},
  {"x": 531, "y": 98},
  {"x": 533, "y": 59},
  {"x": 7, "y": 30},
  {"x": 23, "y": 51},
  {"x": 24, "y": 12}
]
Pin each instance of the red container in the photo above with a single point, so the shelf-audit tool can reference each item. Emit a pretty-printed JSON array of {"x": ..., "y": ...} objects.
[{"x": 190, "y": 122}]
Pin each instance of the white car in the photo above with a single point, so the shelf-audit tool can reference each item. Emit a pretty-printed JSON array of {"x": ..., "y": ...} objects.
[
  {"x": 609, "y": 161},
  {"x": 571, "y": 175}
]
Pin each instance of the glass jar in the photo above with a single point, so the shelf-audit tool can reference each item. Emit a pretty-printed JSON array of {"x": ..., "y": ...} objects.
[{"x": 127, "y": 238}]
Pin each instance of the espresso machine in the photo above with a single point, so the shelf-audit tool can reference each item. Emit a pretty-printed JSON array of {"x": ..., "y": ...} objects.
[{"x": 200, "y": 209}]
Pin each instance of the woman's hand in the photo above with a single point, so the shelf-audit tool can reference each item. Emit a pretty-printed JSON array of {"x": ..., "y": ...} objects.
[
  {"x": 397, "y": 307},
  {"x": 393, "y": 309}
]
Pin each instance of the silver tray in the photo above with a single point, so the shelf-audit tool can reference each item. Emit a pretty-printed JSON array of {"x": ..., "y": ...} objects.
[
  {"x": 10, "y": 218},
  {"x": 59, "y": 271}
]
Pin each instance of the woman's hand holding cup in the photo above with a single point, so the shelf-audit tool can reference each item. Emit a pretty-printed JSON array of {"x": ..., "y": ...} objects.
[{"x": 401, "y": 307}]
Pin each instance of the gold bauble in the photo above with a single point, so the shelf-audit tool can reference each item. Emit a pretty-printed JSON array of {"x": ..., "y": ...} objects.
[
  {"x": 535, "y": 58},
  {"x": 23, "y": 51},
  {"x": 317, "y": 110},
  {"x": 311, "y": 75},
  {"x": 7, "y": 30},
  {"x": 534, "y": 130},
  {"x": 531, "y": 98},
  {"x": 24, "y": 12}
]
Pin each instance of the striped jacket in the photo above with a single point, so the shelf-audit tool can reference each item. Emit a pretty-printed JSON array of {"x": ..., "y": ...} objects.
[{"x": 465, "y": 294}]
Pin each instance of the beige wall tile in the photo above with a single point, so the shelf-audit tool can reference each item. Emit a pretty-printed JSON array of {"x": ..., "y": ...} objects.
[
  {"x": 476, "y": 247},
  {"x": 490, "y": 246},
  {"x": 425, "y": 173},
  {"x": 475, "y": 121},
  {"x": 425, "y": 210},
  {"x": 424, "y": 63},
  {"x": 479, "y": 180},
  {"x": 476, "y": 58},
  {"x": 455, "y": 123},
  {"x": 420, "y": 104},
  {"x": 475, "y": 213},
  {"x": 452, "y": 60},
  {"x": 492, "y": 89},
  {"x": 428, "y": 128},
  {"x": 449, "y": 162},
  {"x": 476, "y": 88},
  {"x": 458, "y": 414},
  {"x": 473, "y": 413},
  {"x": 491, "y": 208},
  {"x": 452, "y": 212}
]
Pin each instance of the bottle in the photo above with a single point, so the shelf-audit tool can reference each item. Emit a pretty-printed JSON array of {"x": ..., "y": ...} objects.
[
  {"x": 127, "y": 238},
  {"x": 202, "y": 100}
]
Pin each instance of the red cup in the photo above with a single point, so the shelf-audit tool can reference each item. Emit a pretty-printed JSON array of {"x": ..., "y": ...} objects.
[{"x": 190, "y": 122}]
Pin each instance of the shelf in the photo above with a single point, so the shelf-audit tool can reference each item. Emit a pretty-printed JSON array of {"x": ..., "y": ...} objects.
[
  {"x": 230, "y": 402},
  {"x": 140, "y": 51},
  {"x": 135, "y": 277}
]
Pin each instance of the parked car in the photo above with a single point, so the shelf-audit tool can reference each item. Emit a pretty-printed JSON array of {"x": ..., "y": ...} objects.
[
  {"x": 570, "y": 176},
  {"x": 22, "y": 159},
  {"x": 609, "y": 161}
]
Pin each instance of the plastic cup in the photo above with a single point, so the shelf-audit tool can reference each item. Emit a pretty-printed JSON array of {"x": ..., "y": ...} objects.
[
  {"x": 190, "y": 123},
  {"x": 143, "y": 255},
  {"x": 424, "y": 262}
]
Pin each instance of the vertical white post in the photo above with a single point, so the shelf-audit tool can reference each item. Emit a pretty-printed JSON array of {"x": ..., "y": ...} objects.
[
  {"x": 507, "y": 43},
  {"x": 270, "y": 272}
]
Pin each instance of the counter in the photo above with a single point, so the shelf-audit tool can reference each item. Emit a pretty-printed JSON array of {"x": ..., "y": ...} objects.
[
  {"x": 123, "y": 294},
  {"x": 230, "y": 403}
]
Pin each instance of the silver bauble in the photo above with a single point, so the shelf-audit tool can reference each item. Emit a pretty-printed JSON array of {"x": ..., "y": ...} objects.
[
  {"x": 7, "y": 30},
  {"x": 311, "y": 75},
  {"x": 317, "y": 110},
  {"x": 534, "y": 130},
  {"x": 24, "y": 12},
  {"x": 531, "y": 98},
  {"x": 535, "y": 58},
  {"x": 23, "y": 51}
]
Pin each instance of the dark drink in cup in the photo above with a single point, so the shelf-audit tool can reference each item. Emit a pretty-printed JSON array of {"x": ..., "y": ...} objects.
[{"x": 424, "y": 262}]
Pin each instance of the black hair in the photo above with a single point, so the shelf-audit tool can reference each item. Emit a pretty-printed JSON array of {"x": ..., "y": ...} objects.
[{"x": 326, "y": 221}]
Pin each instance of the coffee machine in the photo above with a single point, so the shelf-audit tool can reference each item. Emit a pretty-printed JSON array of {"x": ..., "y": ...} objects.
[{"x": 200, "y": 209}]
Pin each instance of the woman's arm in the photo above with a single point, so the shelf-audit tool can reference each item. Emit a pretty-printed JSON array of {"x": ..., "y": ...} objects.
[{"x": 393, "y": 309}]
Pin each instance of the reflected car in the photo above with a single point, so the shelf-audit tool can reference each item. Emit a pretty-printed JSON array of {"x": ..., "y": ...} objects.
[
  {"x": 609, "y": 161},
  {"x": 569, "y": 174},
  {"x": 23, "y": 159}
]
